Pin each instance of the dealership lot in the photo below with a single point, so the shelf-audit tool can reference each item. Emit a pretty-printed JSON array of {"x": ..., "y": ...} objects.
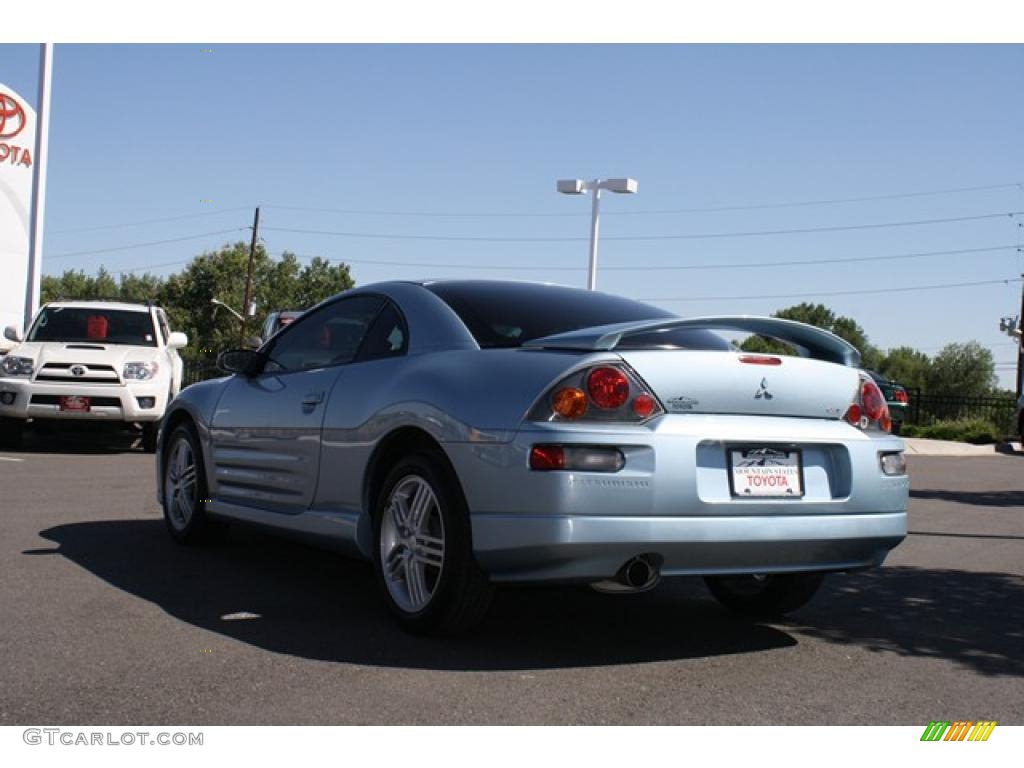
[{"x": 107, "y": 621}]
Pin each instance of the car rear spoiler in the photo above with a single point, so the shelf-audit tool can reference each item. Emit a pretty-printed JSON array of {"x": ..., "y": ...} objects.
[{"x": 810, "y": 341}]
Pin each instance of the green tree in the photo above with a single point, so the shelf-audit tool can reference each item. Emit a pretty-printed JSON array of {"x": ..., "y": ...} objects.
[
  {"x": 188, "y": 295},
  {"x": 906, "y": 365},
  {"x": 281, "y": 284},
  {"x": 822, "y": 317},
  {"x": 966, "y": 370}
]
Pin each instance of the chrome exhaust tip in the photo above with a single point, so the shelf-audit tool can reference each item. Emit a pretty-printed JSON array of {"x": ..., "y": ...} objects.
[{"x": 638, "y": 574}]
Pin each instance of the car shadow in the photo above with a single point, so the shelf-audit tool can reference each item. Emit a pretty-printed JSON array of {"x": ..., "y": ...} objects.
[
  {"x": 974, "y": 498},
  {"x": 289, "y": 598},
  {"x": 294, "y": 599},
  {"x": 86, "y": 439}
]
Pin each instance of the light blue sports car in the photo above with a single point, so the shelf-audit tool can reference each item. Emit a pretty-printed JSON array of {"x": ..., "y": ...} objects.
[{"x": 466, "y": 434}]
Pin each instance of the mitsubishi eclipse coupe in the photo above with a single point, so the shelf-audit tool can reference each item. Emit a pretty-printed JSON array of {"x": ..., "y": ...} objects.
[{"x": 467, "y": 434}]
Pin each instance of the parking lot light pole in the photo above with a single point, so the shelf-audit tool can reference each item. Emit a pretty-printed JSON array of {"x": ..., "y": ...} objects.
[{"x": 580, "y": 187}]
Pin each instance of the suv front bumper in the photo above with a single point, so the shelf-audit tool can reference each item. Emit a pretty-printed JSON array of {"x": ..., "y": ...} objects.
[{"x": 34, "y": 400}]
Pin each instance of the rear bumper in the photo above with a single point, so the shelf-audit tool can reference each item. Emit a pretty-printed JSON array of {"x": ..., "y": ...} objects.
[
  {"x": 117, "y": 402},
  {"x": 576, "y": 548},
  {"x": 673, "y": 500}
]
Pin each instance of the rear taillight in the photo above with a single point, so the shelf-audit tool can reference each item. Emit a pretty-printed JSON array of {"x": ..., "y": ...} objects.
[
  {"x": 900, "y": 396},
  {"x": 869, "y": 409},
  {"x": 873, "y": 400},
  {"x": 610, "y": 393},
  {"x": 608, "y": 387}
]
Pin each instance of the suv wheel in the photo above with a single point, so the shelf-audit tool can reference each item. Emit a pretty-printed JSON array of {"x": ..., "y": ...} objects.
[
  {"x": 423, "y": 554},
  {"x": 149, "y": 430},
  {"x": 765, "y": 596},
  {"x": 12, "y": 432}
]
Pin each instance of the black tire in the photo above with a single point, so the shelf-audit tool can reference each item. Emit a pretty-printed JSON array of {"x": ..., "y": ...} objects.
[
  {"x": 459, "y": 591},
  {"x": 196, "y": 526},
  {"x": 149, "y": 430},
  {"x": 767, "y": 596},
  {"x": 897, "y": 426},
  {"x": 12, "y": 433}
]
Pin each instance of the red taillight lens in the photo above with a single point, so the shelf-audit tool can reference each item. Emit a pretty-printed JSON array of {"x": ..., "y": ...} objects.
[
  {"x": 608, "y": 387},
  {"x": 760, "y": 360},
  {"x": 873, "y": 401},
  {"x": 900, "y": 396},
  {"x": 547, "y": 457},
  {"x": 643, "y": 406},
  {"x": 853, "y": 415}
]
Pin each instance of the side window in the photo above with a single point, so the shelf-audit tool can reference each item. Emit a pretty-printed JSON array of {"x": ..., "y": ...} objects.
[
  {"x": 330, "y": 336},
  {"x": 387, "y": 337}
]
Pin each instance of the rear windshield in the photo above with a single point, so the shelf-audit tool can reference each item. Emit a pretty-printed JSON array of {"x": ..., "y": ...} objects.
[
  {"x": 98, "y": 326},
  {"x": 510, "y": 314}
]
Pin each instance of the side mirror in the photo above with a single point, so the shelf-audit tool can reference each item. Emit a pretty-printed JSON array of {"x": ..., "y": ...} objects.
[
  {"x": 177, "y": 340},
  {"x": 244, "y": 361},
  {"x": 11, "y": 333}
]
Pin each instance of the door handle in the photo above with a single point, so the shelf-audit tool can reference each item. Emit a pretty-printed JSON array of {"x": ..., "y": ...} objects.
[{"x": 313, "y": 398}]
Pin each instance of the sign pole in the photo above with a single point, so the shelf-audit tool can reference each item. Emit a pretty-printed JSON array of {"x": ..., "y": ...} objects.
[{"x": 35, "y": 236}]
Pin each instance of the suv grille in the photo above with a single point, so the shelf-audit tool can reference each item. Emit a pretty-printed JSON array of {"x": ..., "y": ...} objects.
[{"x": 78, "y": 373}]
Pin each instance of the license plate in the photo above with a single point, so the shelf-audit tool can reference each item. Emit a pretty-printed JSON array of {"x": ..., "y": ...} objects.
[
  {"x": 765, "y": 472},
  {"x": 74, "y": 404}
]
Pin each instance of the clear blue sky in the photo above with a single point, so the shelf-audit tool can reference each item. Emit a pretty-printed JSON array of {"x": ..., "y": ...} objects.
[{"x": 144, "y": 132}]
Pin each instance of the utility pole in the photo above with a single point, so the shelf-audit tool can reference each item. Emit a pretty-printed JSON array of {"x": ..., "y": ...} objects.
[
  {"x": 1020, "y": 343},
  {"x": 35, "y": 237},
  {"x": 248, "y": 277}
]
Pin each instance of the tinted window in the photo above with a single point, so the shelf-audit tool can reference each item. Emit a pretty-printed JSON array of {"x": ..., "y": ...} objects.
[
  {"x": 329, "y": 336},
  {"x": 509, "y": 314},
  {"x": 98, "y": 326},
  {"x": 387, "y": 336}
]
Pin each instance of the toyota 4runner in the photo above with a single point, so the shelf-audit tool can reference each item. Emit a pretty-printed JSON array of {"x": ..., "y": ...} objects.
[{"x": 92, "y": 361}]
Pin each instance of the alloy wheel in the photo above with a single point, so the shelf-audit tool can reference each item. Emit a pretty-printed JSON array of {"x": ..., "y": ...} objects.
[
  {"x": 180, "y": 484},
  {"x": 412, "y": 544}
]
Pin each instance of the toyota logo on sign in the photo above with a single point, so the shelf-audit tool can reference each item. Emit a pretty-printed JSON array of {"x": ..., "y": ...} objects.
[
  {"x": 12, "y": 117},
  {"x": 78, "y": 370}
]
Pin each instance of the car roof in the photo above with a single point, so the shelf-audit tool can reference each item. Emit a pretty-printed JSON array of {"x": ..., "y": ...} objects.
[{"x": 98, "y": 304}]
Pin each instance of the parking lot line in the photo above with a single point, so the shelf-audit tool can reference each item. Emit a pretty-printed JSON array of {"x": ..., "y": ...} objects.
[{"x": 9, "y": 458}]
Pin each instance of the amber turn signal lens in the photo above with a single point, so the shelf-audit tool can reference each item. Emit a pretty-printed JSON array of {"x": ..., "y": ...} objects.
[{"x": 569, "y": 402}]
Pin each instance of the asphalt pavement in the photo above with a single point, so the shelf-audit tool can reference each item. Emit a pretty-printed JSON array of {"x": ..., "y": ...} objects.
[{"x": 106, "y": 621}]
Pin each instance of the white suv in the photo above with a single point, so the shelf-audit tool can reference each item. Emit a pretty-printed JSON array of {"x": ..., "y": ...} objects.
[{"x": 93, "y": 361}]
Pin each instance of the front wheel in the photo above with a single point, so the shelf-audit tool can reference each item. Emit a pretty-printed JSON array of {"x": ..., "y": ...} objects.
[
  {"x": 765, "y": 596},
  {"x": 184, "y": 488},
  {"x": 423, "y": 554}
]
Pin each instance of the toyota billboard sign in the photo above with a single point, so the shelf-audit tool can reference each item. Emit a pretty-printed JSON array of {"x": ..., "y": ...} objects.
[{"x": 17, "y": 157}]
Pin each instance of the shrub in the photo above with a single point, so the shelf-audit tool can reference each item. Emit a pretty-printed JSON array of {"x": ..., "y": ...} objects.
[{"x": 978, "y": 431}]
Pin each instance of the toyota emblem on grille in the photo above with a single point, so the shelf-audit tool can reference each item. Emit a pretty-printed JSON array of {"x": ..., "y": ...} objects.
[{"x": 78, "y": 370}]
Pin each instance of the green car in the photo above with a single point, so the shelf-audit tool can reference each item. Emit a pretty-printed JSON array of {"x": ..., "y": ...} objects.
[{"x": 896, "y": 398}]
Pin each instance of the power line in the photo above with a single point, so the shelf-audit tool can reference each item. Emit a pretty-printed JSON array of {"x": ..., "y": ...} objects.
[
  {"x": 639, "y": 238},
  {"x": 642, "y": 212},
  {"x": 902, "y": 289},
  {"x": 673, "y": 267},
  {"x": 633, "y": 268},
  {"x": 145, "y": 245},
  {"x": 148, "y": 221}
]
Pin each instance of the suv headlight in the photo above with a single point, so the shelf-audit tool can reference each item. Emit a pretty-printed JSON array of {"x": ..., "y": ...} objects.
[
  {"x": 17, "y": 366},
  {"x": 140, "y": 371}
]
